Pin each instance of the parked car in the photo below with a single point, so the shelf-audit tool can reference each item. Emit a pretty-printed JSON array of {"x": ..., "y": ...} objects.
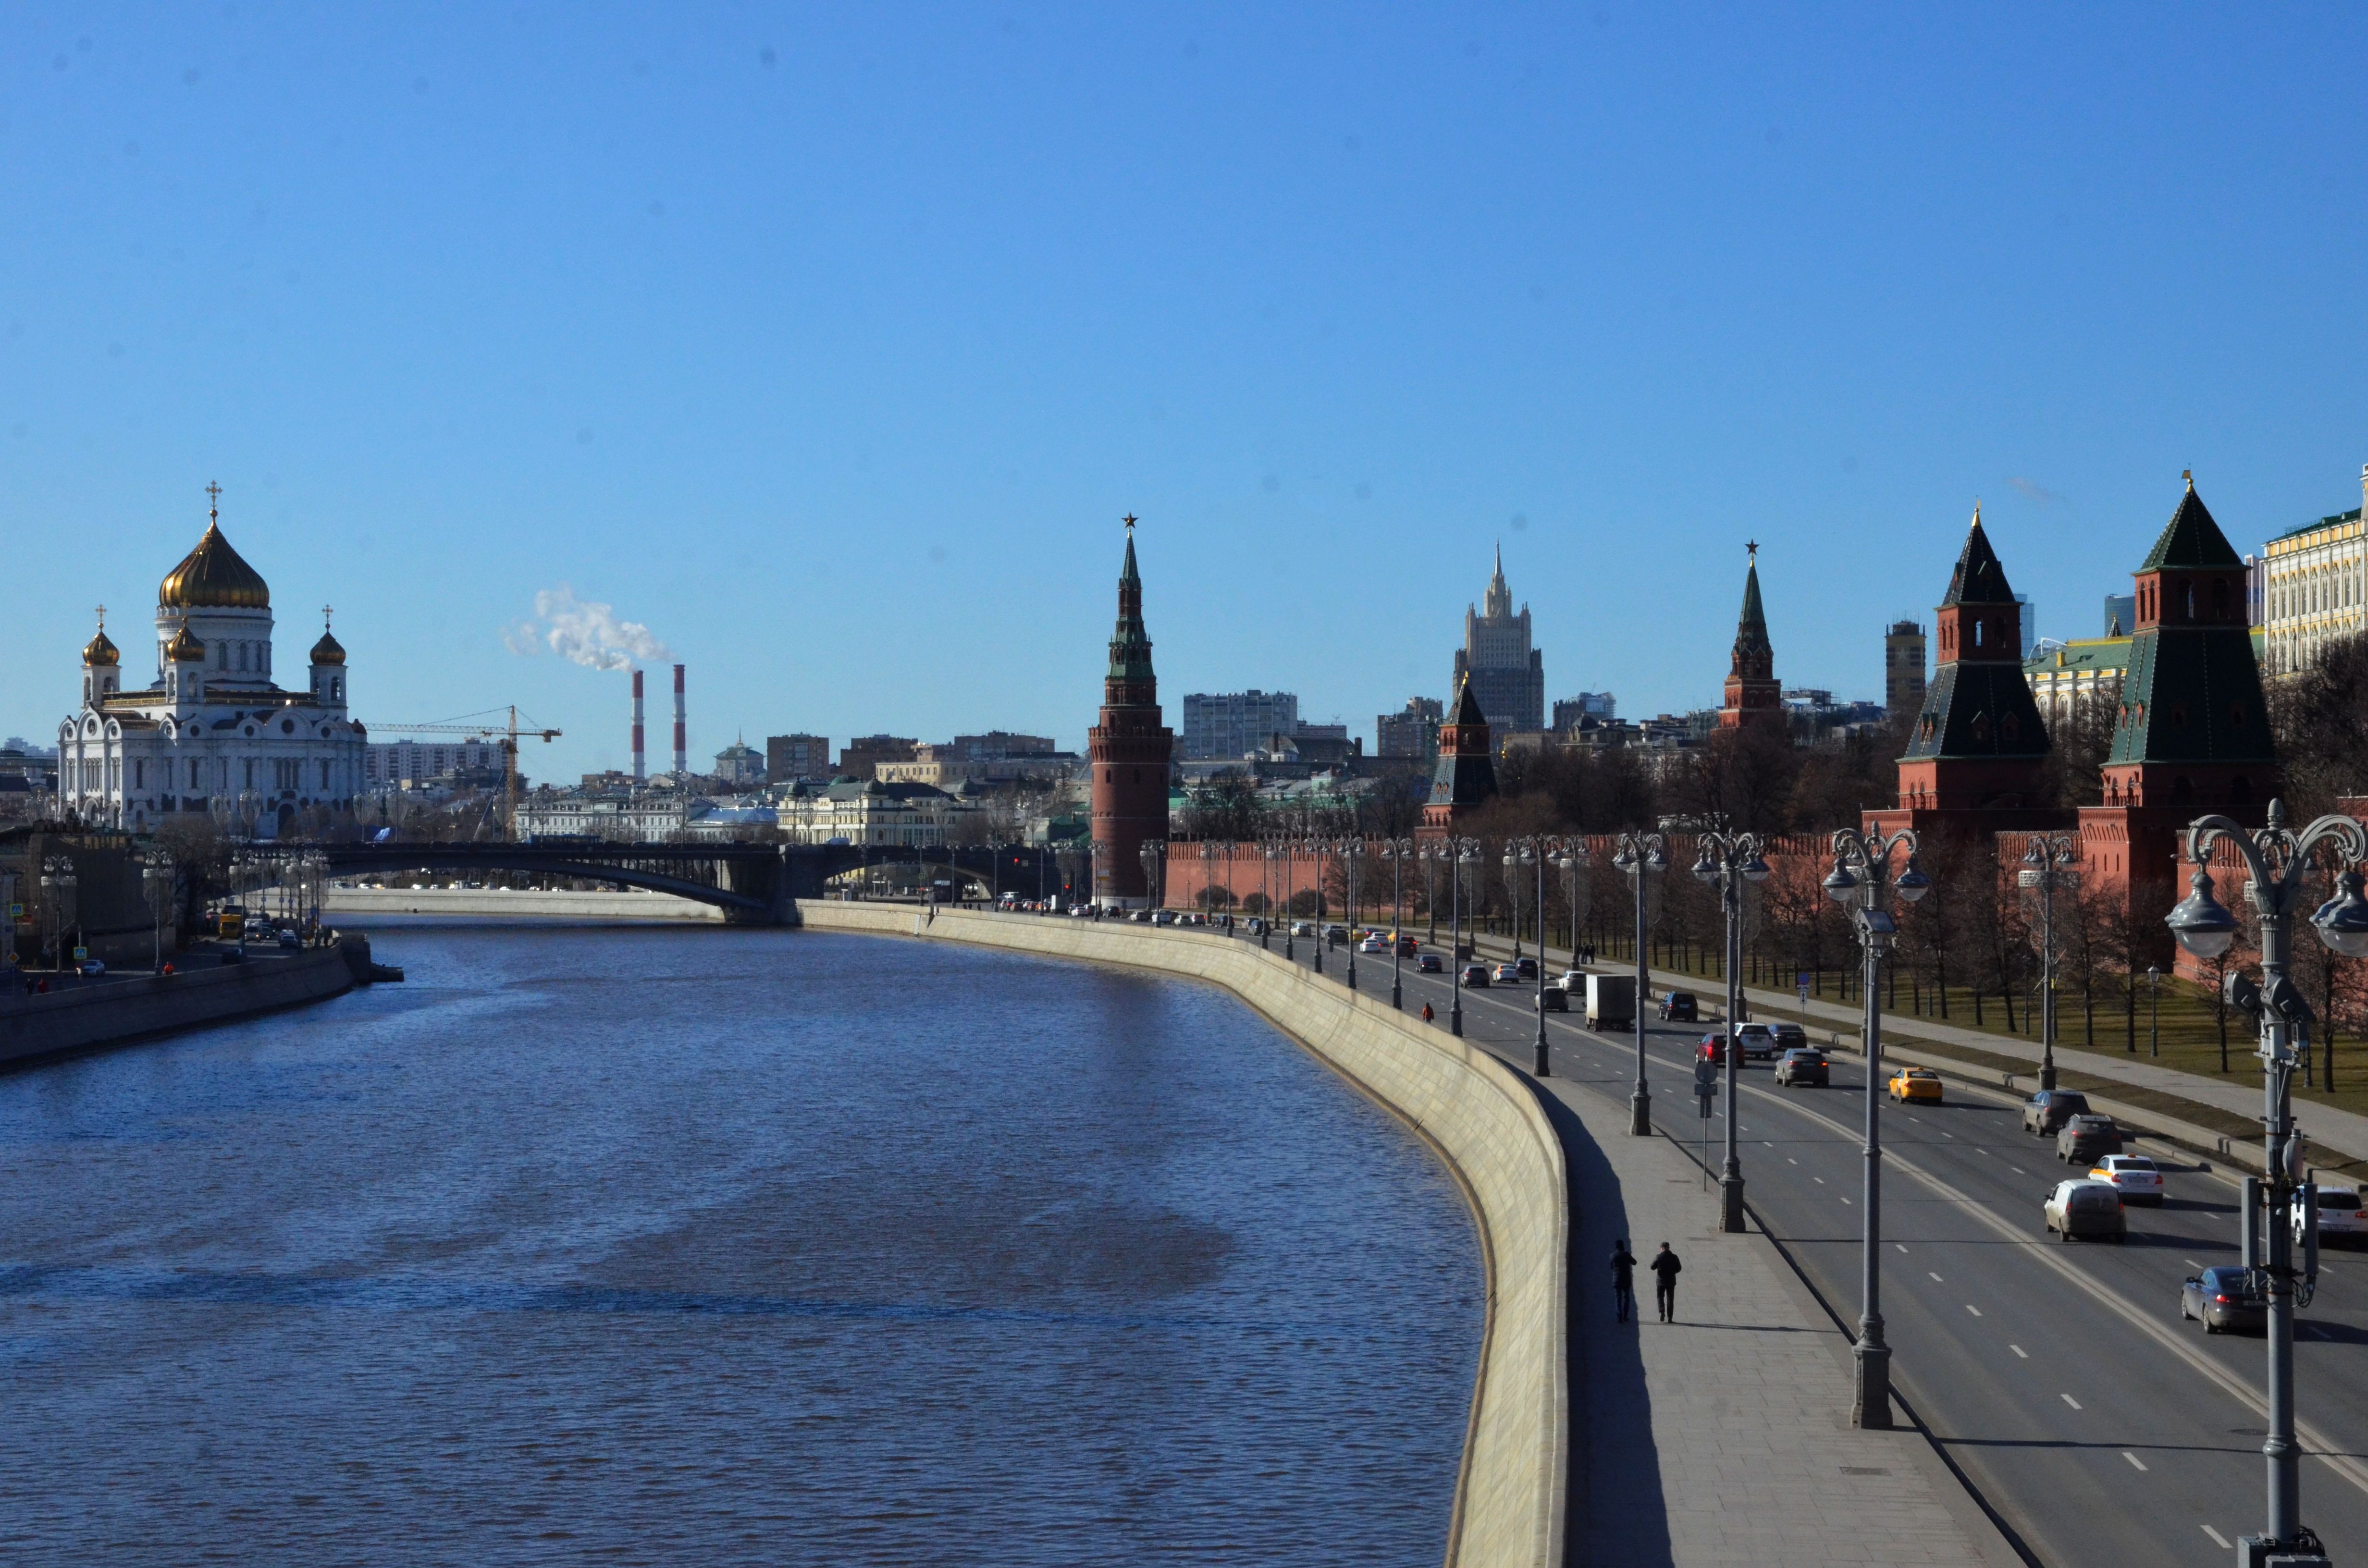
[
  {"x": 1429, "y": 963},
  {"x": 1526, "y": 968},
  {"x": 1711, "y": 1050},
  {"x": 1508, "y": 974},
  {"x": 1756, "y": 1041},
  {"x": 2225, "y": 1299},
  {"x": 2045, "y": 1112},
  {"x": 1553, "y": 999},
  {"x": 1475, "y": 977},
  {"x": 1679, "y": 1007},
  {"x": 2085, "y": 1139},
  {"x": 1919, "y": 1083},
  {"x": 1805, "y": 1065},
  {"x": 2134, "y": 1176},
  {"x": 2089, "y": 1210},
  {"x": 1790, "y": 1036},
  {"x": 2341, "y": 1221}
]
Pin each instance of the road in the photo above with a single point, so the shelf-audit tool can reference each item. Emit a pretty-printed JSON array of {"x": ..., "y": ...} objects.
[{"x": 2058, "y": 1377}]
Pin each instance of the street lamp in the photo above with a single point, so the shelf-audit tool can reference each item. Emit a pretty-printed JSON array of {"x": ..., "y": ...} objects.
[
  {"x": 1513, "y": 866},
  {"x": 2048, "y": 863},
  {"x": 156, "y": 872},
  {"x": 1572, "y": 863},
  {"x": 58, "y": 883},
  {"x": 2278, "y": 860},
  {"x": 1288, "y": 848},
  {"x": 1539, "y": 853},
  {"x": 1152, "y": 853},
  {"x": 1641, "y": 857},
  {"x": 1862, "y": 865},
  {"x": 1352, "y": 850},
  {"x": 2154, "y": 1011},
  {"x": 1729, "y": 862},
  {"x": 1395, "y": 851},
  {"x": 1266, "y": 893},
  {"x": 1458, "y": 854},
  {"x": 1319, "y": 848}
]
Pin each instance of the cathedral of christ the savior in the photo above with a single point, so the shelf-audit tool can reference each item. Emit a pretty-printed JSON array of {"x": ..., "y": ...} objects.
[{"x": 213, "y": 736}]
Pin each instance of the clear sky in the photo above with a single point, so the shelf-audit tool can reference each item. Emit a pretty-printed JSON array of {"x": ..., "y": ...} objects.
[{"x": 830, "y": 344}]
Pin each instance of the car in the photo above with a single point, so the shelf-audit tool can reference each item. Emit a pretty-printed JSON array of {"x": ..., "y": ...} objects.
[
  {"x": 1553, "y": 999},
  {"x": 1256, "y": 926},
  {"x": 91, "y": 966},
  {"x": 1679, "y": 1007},
  {"x": 1429, "y": 963},
  {"x": 2134, "y": 1176},
  {"x": 1373, "y": 945},
  {"x": 2341, "y": 1221},
  {"x": 1575, "y": 980},
  {"x": 289, "y": 939},
  {"x": 1756, "y": 1041},
  {"x": 1525, "y": 969},
  {"x": 1920, "y": 1083},
  {"x": 1508, "y": 974},
  {"x": 1302, "y": 928},
  {"x": 1407, "y": 947},
  {"x": 2044, "y": 1113},
  {"x": 2085, "y": 1209},
  {"x": 1711, "y": 1050},
  {"x": 1476, "y": 976},
  {"x": 2224, "y": 1299},
  {"x": 1805, "y": 1065},
  {"x": 1335, "y": 934},
  {"x": 1163, "y": 917},
  {"x": 1791, "y": 1037},
  {"x": 2084, "y": 1138}
]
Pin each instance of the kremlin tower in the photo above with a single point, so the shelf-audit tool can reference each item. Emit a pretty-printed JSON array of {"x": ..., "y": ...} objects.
[
  {"x": 1754, "y": 701},
  {"x": 1130, "y": 750}
]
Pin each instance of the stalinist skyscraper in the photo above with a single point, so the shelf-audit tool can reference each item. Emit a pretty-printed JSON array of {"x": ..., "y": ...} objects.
[{"x": 1505, "y": 673}]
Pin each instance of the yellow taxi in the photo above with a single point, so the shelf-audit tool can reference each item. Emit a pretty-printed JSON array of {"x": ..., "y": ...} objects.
[{"x": 1915, "y": 1083}]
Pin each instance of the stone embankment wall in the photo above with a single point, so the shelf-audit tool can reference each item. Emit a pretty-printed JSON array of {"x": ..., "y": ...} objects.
[
  {"x": 359, "y": 903},
  {"x": 1485, "y": 1121},
  {"x": 138, "y": 1007}
]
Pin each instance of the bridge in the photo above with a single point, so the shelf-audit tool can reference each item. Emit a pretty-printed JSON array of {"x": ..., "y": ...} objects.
[{"x": 752, "y": 883}]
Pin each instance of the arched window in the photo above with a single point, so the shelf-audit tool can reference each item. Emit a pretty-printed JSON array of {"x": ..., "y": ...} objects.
[
  {"x": 1978, "y": 633},
  {"x": 2188, "y": 606},
  {"x": 2220, "y": 599}
]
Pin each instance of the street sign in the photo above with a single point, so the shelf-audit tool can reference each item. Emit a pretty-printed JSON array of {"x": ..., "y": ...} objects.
[
  {"x": 1705, "y": 1087},
  {"x": 15, "y": 912},
  {"x": 81, "y": 953}
]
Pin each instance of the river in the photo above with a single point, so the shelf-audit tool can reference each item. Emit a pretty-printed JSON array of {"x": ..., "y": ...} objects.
[{"x": 726, "y": 1245}]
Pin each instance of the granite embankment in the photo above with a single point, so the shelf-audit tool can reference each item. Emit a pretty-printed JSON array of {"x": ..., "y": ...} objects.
[
  {"x": 1486, "y": 1123},
  {"x": 130, "y": 1008},
  {"x": 536, "y": 903}
]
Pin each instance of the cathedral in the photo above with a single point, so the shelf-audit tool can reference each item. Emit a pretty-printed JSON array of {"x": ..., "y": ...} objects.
[{"x": 214, "y": 736}]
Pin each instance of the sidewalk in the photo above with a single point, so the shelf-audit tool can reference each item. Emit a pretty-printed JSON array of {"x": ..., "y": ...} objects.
[
  {"x": 2328, "y": 1126},
  {"x": 1725, "y": 1438}
]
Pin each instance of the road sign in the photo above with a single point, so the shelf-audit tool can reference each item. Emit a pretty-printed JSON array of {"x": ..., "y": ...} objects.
[
  {"x": 15, "y": 912},
  {"x": 81, "y": 953},
  {"x": 1705, "y": 1087}
]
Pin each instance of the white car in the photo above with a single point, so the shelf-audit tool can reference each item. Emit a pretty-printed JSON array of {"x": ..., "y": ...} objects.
[
  {"x": 2341, "y": 1221},
  {"x": 1373, "y": 945},
  {"x": 2134, "y": 1176},
  {"x": 1756, "y": 1040},
  {"x": 1302, "y": 928}
]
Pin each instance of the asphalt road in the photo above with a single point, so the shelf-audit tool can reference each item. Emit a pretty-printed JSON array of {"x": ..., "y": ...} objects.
[{"x": 2059, "y": 1377}]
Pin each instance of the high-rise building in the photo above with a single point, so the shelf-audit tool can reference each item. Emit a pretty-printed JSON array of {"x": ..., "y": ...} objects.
[
  {"x": 2030, "y": 623},
  {"x": 1411, "y": 734},
  {"x": 1506, "y": 674},
  {"x": 1231, "y": 724},
  {"x": 1754, "y": 699},
  {"x": 865, "y": 753},
  {"x": 2314, "y": 587},
  {"x": 1131, "y": 753},
  {"x": 1571, "y": 712},
  {"x": 1903, "y": 670},
  {"x": 796, "y": 757},
  {"x": 2121, "y": 614}
]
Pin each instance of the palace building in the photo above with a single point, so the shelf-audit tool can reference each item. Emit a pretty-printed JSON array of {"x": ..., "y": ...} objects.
[{"x": 213, "y": 734}]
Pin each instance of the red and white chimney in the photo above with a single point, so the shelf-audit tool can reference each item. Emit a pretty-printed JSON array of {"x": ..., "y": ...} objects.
[
  {"x": 681, "y": 746},
  {"x": 640, "y": 767}
]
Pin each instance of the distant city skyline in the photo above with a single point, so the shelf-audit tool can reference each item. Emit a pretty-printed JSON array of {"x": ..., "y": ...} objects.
[{"x": 829, "y": 348}]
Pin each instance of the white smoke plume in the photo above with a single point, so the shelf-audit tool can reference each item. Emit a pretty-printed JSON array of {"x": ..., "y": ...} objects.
[{"x": 584, "y": 632}]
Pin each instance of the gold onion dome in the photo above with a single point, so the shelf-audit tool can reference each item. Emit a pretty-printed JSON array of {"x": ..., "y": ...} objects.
[
  {"x": 328, "y": 650},
  {"x": 184, "y": 648},
  {"x": 213, "y": 577},
  {"x": 100, "y": 651}
]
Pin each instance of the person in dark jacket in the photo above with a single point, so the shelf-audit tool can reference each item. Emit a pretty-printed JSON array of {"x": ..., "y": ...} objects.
[
  {"x": 1666, "y": 1268},
  {"x": 1624, "y": 1280}
]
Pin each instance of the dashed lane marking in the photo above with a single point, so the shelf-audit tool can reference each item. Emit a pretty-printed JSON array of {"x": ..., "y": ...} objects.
[
  {"x": 2069, "y": 1399},
  {"x": 1972, "y": 1308},
  {"x": 2020, "y": 1351},
  {"x": 2218, "y": 1539},
  {"x": 1901, "y": 1246},
  {"x": 1819, "y": 1180},
  {"x": 1936, "y": 1278},
  {"x": 2136, "y": 1461}
]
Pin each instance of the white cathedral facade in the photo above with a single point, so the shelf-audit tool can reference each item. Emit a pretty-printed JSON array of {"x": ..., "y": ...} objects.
[{"x": 214, "y": 735}]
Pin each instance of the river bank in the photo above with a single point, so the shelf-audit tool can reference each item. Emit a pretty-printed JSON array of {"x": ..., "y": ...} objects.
[{"x": 124, "y": 1008}]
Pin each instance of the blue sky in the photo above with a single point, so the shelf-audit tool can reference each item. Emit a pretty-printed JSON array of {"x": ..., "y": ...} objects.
[{"x": 831, "y": 344}]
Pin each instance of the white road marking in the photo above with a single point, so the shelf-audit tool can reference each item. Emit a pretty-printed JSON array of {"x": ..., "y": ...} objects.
[
  {"x": 1791, "y": 1161},
  {"x": 1936, "y": 1278},
  {"x": 2192, "y": 1264},
  {"x": 1901, "y": 1246},
  {"x": 1819, "y": 1180},
  {"x": 1972, "y": 1308},
  {"x": 2020, "y": 1351},
  {"x": 2069, "y": 1399},
  {"x": 2018, "y": 1170},
  {"x": 1847, "y": 1200},
  {"x": 1979, "y": 1150},
  {"x": 2218, "y": 1539},
  {"x": 2133, "y": 1458}
]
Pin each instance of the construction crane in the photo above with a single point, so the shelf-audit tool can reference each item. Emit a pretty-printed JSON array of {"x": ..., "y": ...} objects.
[{"x": 507, "y": 732}]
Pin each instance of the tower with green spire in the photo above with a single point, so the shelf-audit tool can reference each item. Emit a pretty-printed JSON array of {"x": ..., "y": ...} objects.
[
  {"x": 1754, "y": 699},
  {"x": 1130, "y": 750}
]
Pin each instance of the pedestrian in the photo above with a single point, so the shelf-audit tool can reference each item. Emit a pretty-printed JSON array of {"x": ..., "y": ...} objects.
[
  {"x": 1427, "y": 1014},
  {"x": 1624, "y": 1280},
  {"x": 1666, "y": 1268}
]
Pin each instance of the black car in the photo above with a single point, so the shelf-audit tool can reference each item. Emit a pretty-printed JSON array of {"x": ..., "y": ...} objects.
[
  {"x": 1804, "y": 1065},
  {"x": 1679, "y": 1007},
  {"x": 1791, "y": 1037},
  {"x": 2085, "y": 1139},
  {"x": 2225, "y": 1299},
  {"x": 1553, "y": 999},
  {"x": 2045, "y": 1112}
]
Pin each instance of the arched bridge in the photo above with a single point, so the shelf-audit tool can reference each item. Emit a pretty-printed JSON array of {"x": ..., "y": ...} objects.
[{"x": 753, "y": 883}]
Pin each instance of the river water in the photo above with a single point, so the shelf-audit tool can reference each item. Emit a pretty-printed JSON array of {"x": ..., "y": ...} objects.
[{"x": 660, "y": 1246}]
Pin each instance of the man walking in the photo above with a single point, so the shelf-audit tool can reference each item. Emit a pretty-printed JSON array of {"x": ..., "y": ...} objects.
[
  {"x": 1624, "y": 1280},
  {"x": 1666, "y": 1268}
]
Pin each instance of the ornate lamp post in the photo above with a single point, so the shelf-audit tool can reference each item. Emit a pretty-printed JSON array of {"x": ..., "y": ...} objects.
[
  {"x": 1514, "y": 866},
  {"x": 2278, "y": 860},
  {"x": 2154, "y": 1011},
  {"x": 1153, "y": 855},
  {"x": 1395, "y": 851},
  {"x": 1539, "y": 853},
  {"x": 1458, "y": 853},
  {"x": 1288, "y": 849},
  {"x": 2048, "y": 863},
  {"x": 58, "y": 883},
  {"x": 156, "y": 873},
  {"x": 1319, "y": 848},
  {"x": 1352, "y": 850},
  {"x": 1573, "y": 864},
  {"x": 1862, "y": 865},
  {"x": 1266, "y": 893},
  {"x": 1641, "y": 857},
  {"x": 1728, "y": 862}
]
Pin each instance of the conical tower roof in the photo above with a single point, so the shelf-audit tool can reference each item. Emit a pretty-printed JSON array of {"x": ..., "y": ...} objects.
[
  {"x": 1978, "y": 579},
  {"x": 2191, "y": 539},
  {"x": 1467, "y": 707},
  {"x": 1751, "y": 625}
]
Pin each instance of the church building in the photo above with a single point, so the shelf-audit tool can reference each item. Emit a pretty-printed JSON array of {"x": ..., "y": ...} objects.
[{"x": 213, "y": 734}]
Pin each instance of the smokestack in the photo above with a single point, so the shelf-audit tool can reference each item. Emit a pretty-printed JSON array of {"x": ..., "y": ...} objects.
[
  {"x": 681, "y": 750},
  {"x": 640, "y": 769}
]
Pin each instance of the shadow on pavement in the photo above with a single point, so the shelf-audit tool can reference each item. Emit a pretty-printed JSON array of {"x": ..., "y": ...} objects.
[{"x": 1617, "y": 1511}]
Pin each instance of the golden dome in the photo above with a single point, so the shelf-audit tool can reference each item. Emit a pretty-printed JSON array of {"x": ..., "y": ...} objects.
[
  {"x": 212, "y": 577},
  {"x": 100, "y": 651},
  {"x": 185, "y": 649},
  {"x": 328, "y": 650}
]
